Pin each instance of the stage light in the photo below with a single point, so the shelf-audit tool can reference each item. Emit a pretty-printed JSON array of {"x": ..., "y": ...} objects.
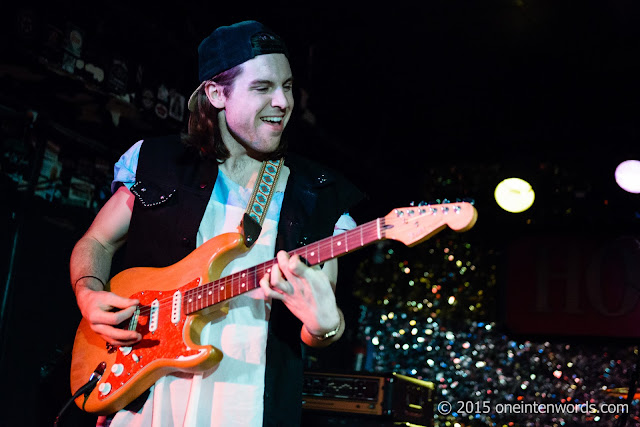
[
  {"x": 628, "y": 176},
  {"x": 514, "y": 195}
]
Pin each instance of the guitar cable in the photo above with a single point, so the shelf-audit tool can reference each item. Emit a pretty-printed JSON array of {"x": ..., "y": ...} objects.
[{"x": 86, "y": 389}]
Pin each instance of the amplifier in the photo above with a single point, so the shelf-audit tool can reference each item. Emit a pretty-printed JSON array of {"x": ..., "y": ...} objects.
[{"x": 392, "y": 396}]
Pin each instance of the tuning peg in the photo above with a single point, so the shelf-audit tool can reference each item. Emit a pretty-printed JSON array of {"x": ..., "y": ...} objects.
[
  {"x": 469, "y": 200},
  {"x": 412, "y": 203},
  {"x": 445, "y": 201}
]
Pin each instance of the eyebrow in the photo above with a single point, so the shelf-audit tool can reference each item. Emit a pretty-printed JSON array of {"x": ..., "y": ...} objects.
[{"x": 268, "y": 82}]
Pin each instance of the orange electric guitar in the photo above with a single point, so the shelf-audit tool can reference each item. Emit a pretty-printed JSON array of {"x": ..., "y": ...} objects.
[{"x": 174, "y": 299}]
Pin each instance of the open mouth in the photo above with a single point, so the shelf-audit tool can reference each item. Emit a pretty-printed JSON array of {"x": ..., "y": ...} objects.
[{"x": 273, "y": 120}]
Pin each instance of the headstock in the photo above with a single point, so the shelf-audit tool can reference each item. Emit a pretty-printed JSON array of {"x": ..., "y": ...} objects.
[{"x": 415, "y": 224}]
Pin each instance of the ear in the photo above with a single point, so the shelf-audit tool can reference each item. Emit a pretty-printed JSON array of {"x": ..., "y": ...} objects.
[{"x": 215, "y": 94}]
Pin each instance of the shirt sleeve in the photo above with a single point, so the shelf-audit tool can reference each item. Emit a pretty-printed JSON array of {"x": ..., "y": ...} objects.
[
  {"x": 124, "y": 171},
  {"x": 345, "y": 223}
]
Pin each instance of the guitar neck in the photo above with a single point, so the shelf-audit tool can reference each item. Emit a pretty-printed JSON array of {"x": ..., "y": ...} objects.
[{"x": 220, "y": 290}]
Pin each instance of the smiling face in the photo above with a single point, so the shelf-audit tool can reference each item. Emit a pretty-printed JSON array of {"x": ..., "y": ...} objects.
[{"x": 258, "y": 106}]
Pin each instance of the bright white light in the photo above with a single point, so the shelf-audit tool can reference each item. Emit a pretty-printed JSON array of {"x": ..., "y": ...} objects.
[
  {"x": 628, "y": 176},
  {"x": 514, "y": 195}
]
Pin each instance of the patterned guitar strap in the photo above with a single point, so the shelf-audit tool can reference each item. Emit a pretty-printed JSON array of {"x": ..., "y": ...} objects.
[{"x": 253, "y": 218}]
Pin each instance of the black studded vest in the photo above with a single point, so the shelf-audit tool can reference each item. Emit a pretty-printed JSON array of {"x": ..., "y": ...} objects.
[{"x": 174, "y": 184}]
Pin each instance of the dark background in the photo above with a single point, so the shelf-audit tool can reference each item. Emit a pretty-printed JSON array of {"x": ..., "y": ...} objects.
[{"x": 404, "y": 98}]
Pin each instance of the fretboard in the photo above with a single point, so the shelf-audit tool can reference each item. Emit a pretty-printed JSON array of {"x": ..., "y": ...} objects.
[{"x": 227, "y": 287}]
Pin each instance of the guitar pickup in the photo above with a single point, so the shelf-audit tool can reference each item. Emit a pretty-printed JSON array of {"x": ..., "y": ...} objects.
[
  {"x": 153, "y": 315},
  {"x": 176, "y": 306}
]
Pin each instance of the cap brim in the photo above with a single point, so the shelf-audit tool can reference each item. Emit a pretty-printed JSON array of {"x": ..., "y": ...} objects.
[{"x": 193, "y": 98}]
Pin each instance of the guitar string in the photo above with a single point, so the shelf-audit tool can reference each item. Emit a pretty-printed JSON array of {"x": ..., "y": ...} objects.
[
  {"x": 262, "y": 269},
  {"x": 320, "y": 246}
]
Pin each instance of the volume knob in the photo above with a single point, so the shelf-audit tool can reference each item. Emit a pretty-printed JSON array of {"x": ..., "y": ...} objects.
[
  {"x": 117, "y": 369},
  {"x": 104, "y": 388}
]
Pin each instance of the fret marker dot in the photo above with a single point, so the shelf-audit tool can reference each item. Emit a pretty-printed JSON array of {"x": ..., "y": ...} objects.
[
  {"x": 243, "y": 285},
  {"x": 313, "y": 254},
  {"x": 244, "y": 274},
  {"x": 199, "y": 296},
  {"x": 221, "y": 288},
  {"x": 339, "y": 243},
  {"x": 210, "y": 292},
  {"x": 190, "y": 299}
]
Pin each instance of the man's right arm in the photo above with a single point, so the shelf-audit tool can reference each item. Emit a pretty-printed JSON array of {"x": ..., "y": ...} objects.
[{"x": 90, "y": 265}]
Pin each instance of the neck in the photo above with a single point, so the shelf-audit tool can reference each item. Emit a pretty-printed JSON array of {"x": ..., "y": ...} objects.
[
  {"x": 243, "y": 165},
  {"x": 241, "y": 169}
]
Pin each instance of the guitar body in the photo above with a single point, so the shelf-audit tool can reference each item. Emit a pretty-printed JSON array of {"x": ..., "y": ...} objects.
[{"x": 170, "y": 339}]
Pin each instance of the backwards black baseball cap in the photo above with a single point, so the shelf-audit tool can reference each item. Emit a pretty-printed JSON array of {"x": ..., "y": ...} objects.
[{"x": 233, "y": 45}]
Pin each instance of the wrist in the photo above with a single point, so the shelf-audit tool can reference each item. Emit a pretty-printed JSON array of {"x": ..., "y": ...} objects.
[
  {"x": 89, "y": 282},
  {"x": 324, "y": 337}
]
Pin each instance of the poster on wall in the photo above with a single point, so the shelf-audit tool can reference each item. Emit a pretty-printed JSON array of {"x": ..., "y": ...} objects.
[{"x": 574, "y": 286}]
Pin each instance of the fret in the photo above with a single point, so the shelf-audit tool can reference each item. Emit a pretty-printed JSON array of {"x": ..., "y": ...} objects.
[
  {"x": 346, "y": 242},
  {"x": 331, "y": 245},
  {"x": 217, "y": 285},
  {"x": 207, "y": 291},
  {"x": 309, "y": 253},
  {"x": 228, "y": 286},
  {"x": 215, "y": 295},
  {"x": 316, "y": 255},
  {"x": 231, "y": 284},
  {"x": 353, "y": 239},
  {"x": 235, "y": 285},
  {"x": 187, "y": 301}
]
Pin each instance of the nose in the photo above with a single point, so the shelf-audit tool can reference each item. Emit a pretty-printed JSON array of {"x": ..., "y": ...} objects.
[{"x": 282, "y": 99}]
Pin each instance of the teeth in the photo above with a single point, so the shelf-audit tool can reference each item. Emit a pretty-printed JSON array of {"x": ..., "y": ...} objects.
[{"x": 272, "y": 119}]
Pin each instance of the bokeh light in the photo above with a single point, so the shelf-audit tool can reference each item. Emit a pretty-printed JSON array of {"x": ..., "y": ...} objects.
[
  {"x": 628, "y": 176},
  {"x": 514, "y": 195}
]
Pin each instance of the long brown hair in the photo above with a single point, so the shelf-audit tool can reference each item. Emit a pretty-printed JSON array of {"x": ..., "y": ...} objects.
[{"x": 203, "y": 131}]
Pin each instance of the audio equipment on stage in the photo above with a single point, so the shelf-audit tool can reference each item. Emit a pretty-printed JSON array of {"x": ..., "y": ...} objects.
[{"x": 390, "y": 396}]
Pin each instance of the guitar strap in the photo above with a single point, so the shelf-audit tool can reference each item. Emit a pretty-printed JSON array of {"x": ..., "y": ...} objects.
[{"x": 260, "y": 199}]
